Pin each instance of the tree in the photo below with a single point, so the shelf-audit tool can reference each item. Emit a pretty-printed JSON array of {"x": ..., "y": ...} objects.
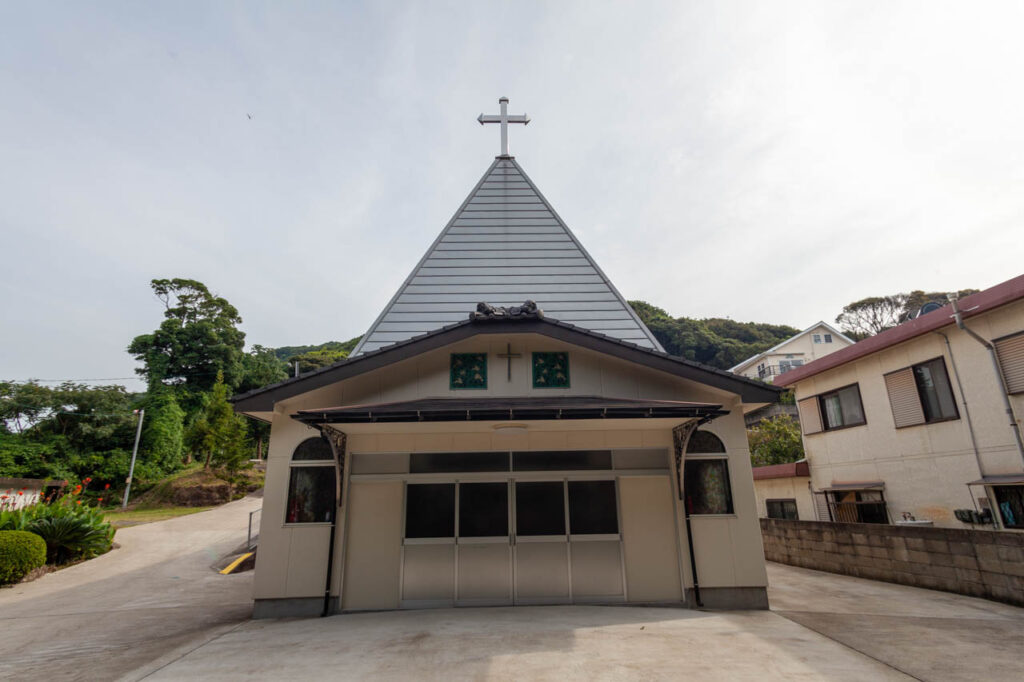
[
  {"x": 875, "y": 314},
  {"x": 317, "y": 359},
  {"x": 23, "y": 404},
  {"x": 871, "y": 315},
  {"x": 775, "y": 441},
  {"x": 219, "y": 435},
  {"x": 198, "y": 339},
  {"x": 163, "y": 430},
  {"x": 261, "y": 367},
  {"x": 719, "y": 342}
]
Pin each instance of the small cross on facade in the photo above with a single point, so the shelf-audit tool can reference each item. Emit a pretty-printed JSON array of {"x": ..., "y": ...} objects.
[
  {"x": 508, "y": 354},
  {"x": 504, "y": 119}
]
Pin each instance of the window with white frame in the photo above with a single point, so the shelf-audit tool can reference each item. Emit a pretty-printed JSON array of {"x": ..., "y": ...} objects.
[
  {"x": 1010, "y": 350},
  {"x": 828, "y": 338},
  {"x": 706, "y": 485},
  {"x": 817, "y": 338},
  {"x": 311, "y": 483}
]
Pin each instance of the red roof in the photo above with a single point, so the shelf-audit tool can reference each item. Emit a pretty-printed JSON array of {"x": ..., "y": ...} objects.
[
  {"x": 782, "y": 470},
  {"x": 972, "y": 305}
]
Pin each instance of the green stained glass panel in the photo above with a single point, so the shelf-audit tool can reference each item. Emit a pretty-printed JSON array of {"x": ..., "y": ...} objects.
[
  {"x": 551, "y": 370},
  {"x": 468, "y": 370}
]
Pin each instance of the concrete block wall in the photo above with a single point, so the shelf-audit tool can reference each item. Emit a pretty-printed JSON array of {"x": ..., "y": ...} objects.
[{"x": 988, "y": 564}]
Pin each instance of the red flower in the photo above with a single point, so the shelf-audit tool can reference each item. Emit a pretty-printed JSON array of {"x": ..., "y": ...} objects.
[
  {"x": 106, "y": 487},
  {"x": 100, "y": 500},
  {"x": 78, "y": 502},
  {"x": 21, "y": 492},
  {"x": 87, "y": 480}
]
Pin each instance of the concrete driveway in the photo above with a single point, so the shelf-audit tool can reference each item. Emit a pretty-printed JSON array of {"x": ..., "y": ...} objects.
[
  {"x": 128, "y": 608},
  {"x": 155, "y": 610}
]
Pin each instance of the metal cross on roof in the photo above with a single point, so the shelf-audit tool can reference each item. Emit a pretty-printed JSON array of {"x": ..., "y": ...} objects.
[{"x": 504, "y": 119}]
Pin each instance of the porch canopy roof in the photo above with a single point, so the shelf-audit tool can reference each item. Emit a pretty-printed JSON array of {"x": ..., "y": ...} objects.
[{"x": 509, "y": 409}]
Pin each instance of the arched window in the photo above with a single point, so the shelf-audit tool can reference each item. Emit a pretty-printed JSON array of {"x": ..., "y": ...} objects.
[
  {"x": 311, "y": 486},
  {"x": 704, "y": 442},
  {"x": 315, "y": 449},
  {"x": 706, "y": 475}
]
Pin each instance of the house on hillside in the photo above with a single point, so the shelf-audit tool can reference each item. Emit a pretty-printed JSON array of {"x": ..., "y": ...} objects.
[
  {"x": 815, "y": 342},
  {"x": 507, "y": 432},
  {"x": 921, "y": 423}
]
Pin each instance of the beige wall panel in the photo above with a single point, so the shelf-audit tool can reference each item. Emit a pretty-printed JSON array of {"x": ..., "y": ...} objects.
[
  {"x": 364, "y": 442},
  {"x": 649, "y": 539},
  {"x": 542, "y": 570},
  {"x": 503, "y": 440},
  {"x": 469, "y": 442},
  {"x": 373, "y": 547},
  {"x": 624, "y": 439},
  {"x": 549, "y": 440},
  {"x": 656, "y": 439},
  {"x": 433, "y": 442},
  {"x": 394, "y": 442},
  {"x": 586, "y": 440},
  {"x": 485, "y": 571},
  {"x": 307, "y": 560},
  {"x": 596, "y": 569},
  {"x": 429, "y": 572},
  {"x": 712, "y": 547},
  {"x": 271, "y": 573}
]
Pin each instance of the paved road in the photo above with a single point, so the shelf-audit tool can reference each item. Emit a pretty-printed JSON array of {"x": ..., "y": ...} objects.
[
  {"x": 129, "y": 608},
  {"x": 155, "y": 610}
]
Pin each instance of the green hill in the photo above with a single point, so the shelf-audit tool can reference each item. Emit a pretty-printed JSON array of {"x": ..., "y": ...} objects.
[{"x": 715, "y": 341}]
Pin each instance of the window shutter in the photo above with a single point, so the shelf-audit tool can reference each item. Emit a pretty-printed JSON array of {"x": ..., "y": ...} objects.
[
  {"x": 1011, "y": 358},
  {"x": 903, "y": 398},
  {"x": 810, "y": 415}
]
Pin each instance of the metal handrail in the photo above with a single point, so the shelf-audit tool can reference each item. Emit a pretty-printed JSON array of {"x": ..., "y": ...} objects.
[{"x": 254, "y": 528}]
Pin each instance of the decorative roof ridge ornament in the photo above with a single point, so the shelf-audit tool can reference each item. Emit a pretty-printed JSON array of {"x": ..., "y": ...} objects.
[
  {"x": 504, "y": 119},
  {"x": 527, "y": 311}
]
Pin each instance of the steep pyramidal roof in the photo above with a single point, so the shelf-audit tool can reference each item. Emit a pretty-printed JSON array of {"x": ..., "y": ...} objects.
[{"x": 506, "y": 245}]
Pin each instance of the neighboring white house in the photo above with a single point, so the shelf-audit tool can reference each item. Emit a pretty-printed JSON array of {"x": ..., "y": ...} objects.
[
  {"x": 815, "y": 342},
  {"x": 516, "y": 454},
  {"x": 922, "y": 422}
]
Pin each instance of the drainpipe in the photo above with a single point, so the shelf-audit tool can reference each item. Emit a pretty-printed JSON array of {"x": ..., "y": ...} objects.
[
  {"x": 970, "y": 424},
  {"x": 1004, "y": 392},
  {"x": 967, "y": 412}
]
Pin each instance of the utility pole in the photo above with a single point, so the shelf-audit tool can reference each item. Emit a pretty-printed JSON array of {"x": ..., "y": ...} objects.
[{"x": 135, "y": 451}]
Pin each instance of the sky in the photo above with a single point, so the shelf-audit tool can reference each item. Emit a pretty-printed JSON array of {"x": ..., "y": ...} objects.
[{"x": 760, "y": 161}]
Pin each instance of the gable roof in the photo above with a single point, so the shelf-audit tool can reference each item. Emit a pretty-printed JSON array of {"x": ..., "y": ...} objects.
[
  {"x": 505, "y": 245},
  {"x": 821, "y": 323},
  {"x": 975, "y": 304},
  {"x": 263, "y": 399}
]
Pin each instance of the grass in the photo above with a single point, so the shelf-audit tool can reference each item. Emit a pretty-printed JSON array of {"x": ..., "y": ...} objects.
[{"x": 134, "y": 517}]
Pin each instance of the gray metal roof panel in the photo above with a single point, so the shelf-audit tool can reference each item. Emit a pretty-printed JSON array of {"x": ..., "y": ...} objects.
[{"x": 504, "y": 245}]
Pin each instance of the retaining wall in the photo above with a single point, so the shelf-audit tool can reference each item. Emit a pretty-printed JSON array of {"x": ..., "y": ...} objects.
[{"x": 987, "y": 564}]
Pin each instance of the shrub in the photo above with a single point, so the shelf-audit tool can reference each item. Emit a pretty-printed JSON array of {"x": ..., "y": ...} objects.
[
  {"x": 75, "y": 536},
  {"x": 20, "y": 553},
  {"x": 69, "y": 530}
]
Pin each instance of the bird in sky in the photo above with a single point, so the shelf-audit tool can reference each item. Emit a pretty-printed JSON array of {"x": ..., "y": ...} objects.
[{"x": 250, "y": 116}]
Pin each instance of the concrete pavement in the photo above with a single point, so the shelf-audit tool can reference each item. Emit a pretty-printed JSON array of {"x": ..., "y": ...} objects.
[
  {"x": 154, "y": 609},
  {"x": 128, "y": 608}
]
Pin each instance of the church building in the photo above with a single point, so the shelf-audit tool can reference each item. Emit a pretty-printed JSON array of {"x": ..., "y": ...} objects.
[{"x": 507, "y": 432}]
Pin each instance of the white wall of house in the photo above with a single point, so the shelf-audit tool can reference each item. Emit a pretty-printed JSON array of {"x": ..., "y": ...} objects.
[
  {"x": 925, "y": 467},
  {"x": 788, "y": 488},
  {"x": 801, "y": 347}
]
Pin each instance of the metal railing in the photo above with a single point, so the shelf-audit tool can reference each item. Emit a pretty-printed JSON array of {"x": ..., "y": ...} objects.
[
  {"x": 774, "y": 370},
  {"x": 254, "y": 528}
]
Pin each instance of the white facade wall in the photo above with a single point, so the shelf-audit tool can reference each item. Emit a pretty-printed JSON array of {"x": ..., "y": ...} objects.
[{"x": 926, "y": 467}]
